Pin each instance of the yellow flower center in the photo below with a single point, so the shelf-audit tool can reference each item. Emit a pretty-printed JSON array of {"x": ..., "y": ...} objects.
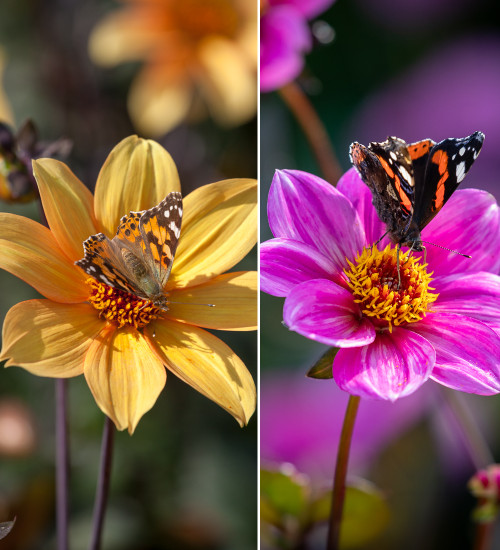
[
  {"x": 201, "y": 18},
  {"x": 121, "y": 307},
  {"x": 373, "y": 279}
]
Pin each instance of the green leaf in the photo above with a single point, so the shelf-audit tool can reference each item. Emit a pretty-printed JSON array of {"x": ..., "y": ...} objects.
[
  {"x": 365, "y": 516},
  {"x": 284, "y": 493},
  {"x": 322, "y": 369}
]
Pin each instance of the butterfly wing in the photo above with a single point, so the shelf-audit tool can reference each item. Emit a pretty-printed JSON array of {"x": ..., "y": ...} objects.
[
  {"x": 446, "y": 164},
  {"x": 387, "y": 170},
  {"x": 103, "y": 262},
  {"x": 161, "y": 228}
]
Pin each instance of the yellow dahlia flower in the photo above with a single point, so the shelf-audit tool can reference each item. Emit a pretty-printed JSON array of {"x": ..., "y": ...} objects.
[
  {"x": 121, "y": 346},
  {"x": 192, "y": 50}
]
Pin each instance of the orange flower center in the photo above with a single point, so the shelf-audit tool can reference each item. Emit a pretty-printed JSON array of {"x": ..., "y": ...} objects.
[
  {"x": 120, "y": 307},
  {"x": 201, "y": 18},
  {"x": 373, "y": 279}
]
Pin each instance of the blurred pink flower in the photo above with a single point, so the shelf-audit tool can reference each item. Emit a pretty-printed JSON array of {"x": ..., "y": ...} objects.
[
  {"x": 302, "y": 420},
  {"x": 285, "y": 38}
]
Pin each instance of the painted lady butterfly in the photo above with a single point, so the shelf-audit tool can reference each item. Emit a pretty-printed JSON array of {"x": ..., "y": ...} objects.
[{"x": 139, "y": 258}]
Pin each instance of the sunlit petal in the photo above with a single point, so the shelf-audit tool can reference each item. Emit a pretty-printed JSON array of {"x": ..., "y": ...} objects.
[
  {"x": 30, "y": 252},
  {"x": 158, "y": 104},
  {"x": 124, "y": 376},
  {"x": 137, "y": 175},
  {"x": 232, "y": 295},
  {"x": 218, "y": 230},
  {"x": 47, "y": 338},
  {"x": 207, "y": 364},
  {"x": 123, "y": 36},
  {"x": 68, "y": 205},
  {"x": 228, "y": 82}
]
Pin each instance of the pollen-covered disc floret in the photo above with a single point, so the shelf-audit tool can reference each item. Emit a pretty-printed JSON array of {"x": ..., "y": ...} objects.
[
  {"x": 121, "y": 307},
  {"x": 373, "y": 279}
]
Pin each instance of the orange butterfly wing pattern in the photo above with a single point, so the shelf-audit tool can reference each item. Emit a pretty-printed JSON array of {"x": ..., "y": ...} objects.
[{"x": 139, "y": 258}]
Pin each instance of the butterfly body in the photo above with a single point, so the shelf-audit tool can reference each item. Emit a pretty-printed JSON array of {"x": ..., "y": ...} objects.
[
  {"x": 139, "y": 258},
  {"x": 410, "y": 183}
]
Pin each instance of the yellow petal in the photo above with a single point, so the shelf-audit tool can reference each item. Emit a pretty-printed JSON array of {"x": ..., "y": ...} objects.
[
  {"x": 207, "y": 364},
  {"x": 218, "y": 230},
  {"x": 228, "y": 81},
  {"x": 137, "y": 175},
  {"x": 30, "y": 252},
  {"x": 123, "y": 36},
  {"x": 49, "y": 339},
  {"x": 233, "y": 295},
  {"x": 5, "y": 108},
  {"x": 156, "y": 104},
  {"x": 68, "y": 205},
  {"x": 124, "y": 376}
]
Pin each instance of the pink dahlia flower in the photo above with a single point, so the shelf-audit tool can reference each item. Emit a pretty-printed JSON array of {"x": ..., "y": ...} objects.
[
  {"x": 285, "y": 38},
  {"x": 442, "y": 322}
]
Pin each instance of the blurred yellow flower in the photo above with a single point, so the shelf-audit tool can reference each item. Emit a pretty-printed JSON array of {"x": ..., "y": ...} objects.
[
  {"x": 5, "y": 108},
  {"x": 192, "y": 50},
  {"x": 66, "y": 334}
]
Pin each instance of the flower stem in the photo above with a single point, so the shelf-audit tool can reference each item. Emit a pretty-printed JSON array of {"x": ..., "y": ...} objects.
[
  {"x": 62, "y": 463},
  {"x": 474, "y": 440},
  {"x": 102, "y": 491},
  {"x": 314, "y": 130},
  {"x": 484, "y": 535},
  {"x": 338, "y": 493}
]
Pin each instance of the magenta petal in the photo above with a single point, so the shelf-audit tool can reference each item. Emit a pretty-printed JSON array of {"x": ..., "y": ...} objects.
[
  {"x": 470, "y": 223},
  {"x": 285, "y": 263},
  {"x": 308, "y": 8},
  {"x": 352, "y": 187},
  {"x": 467, "y": 352},
  {"x": 306, "y": 208},
  {"x": 475, "y": 295},
  {"x": 284, "y": 37},
  {"x": 323, "y": 311},
  {"x": 392, "y": 366}
]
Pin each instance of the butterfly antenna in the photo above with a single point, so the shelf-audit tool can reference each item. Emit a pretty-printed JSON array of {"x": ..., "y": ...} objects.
[
  {"x": 448, "y": 249},
  {"x": 192, "y": 304}
]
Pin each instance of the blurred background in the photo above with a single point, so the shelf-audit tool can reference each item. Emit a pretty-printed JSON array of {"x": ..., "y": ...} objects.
[
  {"x": 413, "y": 69},
  {"x": 187, "y": 477}
]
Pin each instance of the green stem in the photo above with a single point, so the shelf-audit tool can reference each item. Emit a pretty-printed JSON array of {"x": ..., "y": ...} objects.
[
  {"x": 339, "y": 486},
  {"x": 314, "y": 130}
]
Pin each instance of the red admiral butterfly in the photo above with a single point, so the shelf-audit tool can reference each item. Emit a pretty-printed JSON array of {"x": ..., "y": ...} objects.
[{"x": 410, "y": 183}]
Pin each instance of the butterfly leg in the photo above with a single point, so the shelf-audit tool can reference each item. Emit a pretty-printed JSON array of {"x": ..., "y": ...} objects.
[{"x": 378, "y": 240}]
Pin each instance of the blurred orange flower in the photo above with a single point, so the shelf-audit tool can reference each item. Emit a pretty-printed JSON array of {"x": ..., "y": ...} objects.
[
  {"x": 198, "y": 55},
  {"x": 120, "y": 343}
]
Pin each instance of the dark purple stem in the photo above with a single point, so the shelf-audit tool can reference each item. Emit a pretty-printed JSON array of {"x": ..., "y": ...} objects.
[
  {"x": 338, "y": 493},
  {"x": 102, "y": 491},
  {"x": 62, "y": 463}
]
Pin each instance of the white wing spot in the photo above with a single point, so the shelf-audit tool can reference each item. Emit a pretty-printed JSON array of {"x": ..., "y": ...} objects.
[
  {"x": 460, "y": 171},
  {"x": 393, "y": 155},
  {"x": 92, "y": 268},
  {"x": 166, "y": 213},
  {"x": 406, "y": 175},
  {"x": 175, "y": 229},
  {"x": 462, "y": 151},
  {"x": 104, "y": 279}
]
